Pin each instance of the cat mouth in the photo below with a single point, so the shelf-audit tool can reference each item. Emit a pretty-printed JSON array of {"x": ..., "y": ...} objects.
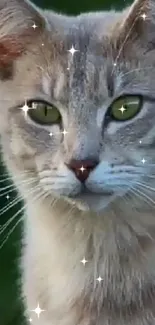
[
  {"x": 87, "y": 193},
  {"x": 92, "y": 200}
]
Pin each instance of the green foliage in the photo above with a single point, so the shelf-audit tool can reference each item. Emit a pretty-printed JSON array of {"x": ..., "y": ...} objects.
[
  {"x": 76, "y": 7},
  {"x": 10, "y": 304}
]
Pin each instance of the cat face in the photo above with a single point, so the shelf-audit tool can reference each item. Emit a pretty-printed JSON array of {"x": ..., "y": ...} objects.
[{"x": 82, "y": 126}]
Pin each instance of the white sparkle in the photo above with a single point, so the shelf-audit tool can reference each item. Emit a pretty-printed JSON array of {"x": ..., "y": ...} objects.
[
  {"x": 64, "y": 132},
  {"x": 99, "y": 279},
  {"x": 25, "y": 108},
  {"x": 143, "y": 160},
  {"x": 51, "y": 134},
  {"x": 30, "y": 320},
  {"x": 84, "y": 261},
  {"x": 42, "y": 44},
  {"x": 38, "y": 311},
  {"x": 144, "y": 16},
  {"x": 122, "y": 109},
  {"x": 7, "y": 196},
  {"x": 34, "y": 26},
  {"x": 82, "y": 169},
  {"x": 114, "y": 64},
  {"x": 140, "y": 141},
  {"x": 72, "y": 50}
]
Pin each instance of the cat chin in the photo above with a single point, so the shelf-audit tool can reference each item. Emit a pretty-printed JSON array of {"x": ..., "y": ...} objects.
[{"x": 91, "y": 202}]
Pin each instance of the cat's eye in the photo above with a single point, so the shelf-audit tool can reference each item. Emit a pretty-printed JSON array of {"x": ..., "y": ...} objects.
[
  {"x": 125, "y": 107},
  {"x": 43, "y": 113}
]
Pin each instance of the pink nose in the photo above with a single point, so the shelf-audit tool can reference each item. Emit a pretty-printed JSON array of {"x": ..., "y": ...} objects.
[{"x": 82, "y": 168}]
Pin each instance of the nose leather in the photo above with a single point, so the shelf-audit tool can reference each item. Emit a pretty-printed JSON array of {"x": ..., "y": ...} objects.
[{"x": 82, "y": 168}]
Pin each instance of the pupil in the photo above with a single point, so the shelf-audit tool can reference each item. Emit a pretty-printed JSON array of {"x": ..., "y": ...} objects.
[{"x": 45, "y": 111}]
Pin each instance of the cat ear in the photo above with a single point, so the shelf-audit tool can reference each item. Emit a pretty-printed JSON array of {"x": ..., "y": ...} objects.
[
  {"x": 16, "y": 20},
  {"x": 139, "y": 24}
]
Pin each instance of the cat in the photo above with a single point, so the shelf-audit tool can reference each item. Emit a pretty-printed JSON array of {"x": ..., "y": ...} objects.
[{"x": 77, "y": 126}]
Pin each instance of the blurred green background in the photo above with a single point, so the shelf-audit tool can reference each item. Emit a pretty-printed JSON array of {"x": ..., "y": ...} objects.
[{"x": 10, "y": 302}]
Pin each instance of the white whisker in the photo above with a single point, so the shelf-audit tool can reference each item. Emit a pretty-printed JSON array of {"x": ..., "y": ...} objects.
[{"x": 38, "y": 195}]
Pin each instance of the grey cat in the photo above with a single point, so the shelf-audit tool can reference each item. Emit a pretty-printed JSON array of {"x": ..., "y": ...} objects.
[{"x": 78, "y": 139}]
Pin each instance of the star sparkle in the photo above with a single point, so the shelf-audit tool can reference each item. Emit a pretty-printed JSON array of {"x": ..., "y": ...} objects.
[
  {"x": 30, "y": 320},
  {"x": 84, "y": 261},
  {"x": 99, "y": 279},
  {"x": 72, "y": 50},
  {"x": 64, "y": 132},
  {"x": 38, "y": 310},
  {"x": 143, "y": 161},
  {"x": 144, "y": 16},
  {"x": 34, "y": 26},
  {"x": 82, "y": 169},
  {"x": 25, "y": 108},
  {"x": 7, "y": 197},
  {"x": 122, "y": 109}
]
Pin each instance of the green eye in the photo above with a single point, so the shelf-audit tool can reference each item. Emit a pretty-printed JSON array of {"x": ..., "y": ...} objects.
[
  {"x": 44, "y": 114},
  {"x": 125, "y": 108}
]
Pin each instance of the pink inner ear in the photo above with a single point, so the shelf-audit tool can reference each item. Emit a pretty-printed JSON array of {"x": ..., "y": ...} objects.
[{"x": 10, "y": 49}]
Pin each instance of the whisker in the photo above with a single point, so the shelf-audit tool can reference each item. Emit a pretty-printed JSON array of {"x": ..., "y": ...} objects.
[
  {"x": 25, "y": 172},
  {"x": 10, "y": 205},
  {"x": 37, "y": 196},
  {"x": 145, "y": 198},
  {"x": 146, "y": 186},
  {"x": 7, "y": 187},
  {"x": 16, "y": 214},
  {"x": 136, "y": 69},
  {"x": 10, "y": 232},
  {"x": 13, "y": 187},
  {"x": 14, "y": 201}
]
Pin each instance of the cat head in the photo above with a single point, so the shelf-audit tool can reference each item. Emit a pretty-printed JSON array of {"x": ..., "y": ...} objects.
[{"x": 80, "y": 126}]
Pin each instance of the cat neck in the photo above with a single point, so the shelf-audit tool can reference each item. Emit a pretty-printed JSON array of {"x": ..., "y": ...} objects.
[
  {"x": 58, "y": 237},
  {"x": 97, "y": 237}
]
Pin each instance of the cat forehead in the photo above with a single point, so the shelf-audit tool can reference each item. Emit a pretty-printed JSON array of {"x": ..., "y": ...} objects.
[
  {"x": 81, "y": 60},
  {"x": 95, "y": 24}
]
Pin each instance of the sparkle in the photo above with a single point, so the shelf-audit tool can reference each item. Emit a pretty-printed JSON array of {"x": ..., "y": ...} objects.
[
  {"x": 84, "y": 261},
  {"x": 72, "y": 50},
  {"x": 144, "y": 16},
  {"x": 51, "y": 134},
  {"x": 143, "y": 161},
  {"x": 30, "y": 320},
  {"x": 64, "y": 132},
  {"x": 7, "y": 196},
  {"x": 99, "y": 279},
  {"x": 140, "y": 141},
  {"x": 122, "y": 109},
  {"x": 25, "y": 108},
  {"x": 42, "y": 44},
  {"x": 114, "y": 64},
  {"x": 82, "y": 169},
  {"x": 34, "y": 26},
  {"x": 38, "y": 311}
]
